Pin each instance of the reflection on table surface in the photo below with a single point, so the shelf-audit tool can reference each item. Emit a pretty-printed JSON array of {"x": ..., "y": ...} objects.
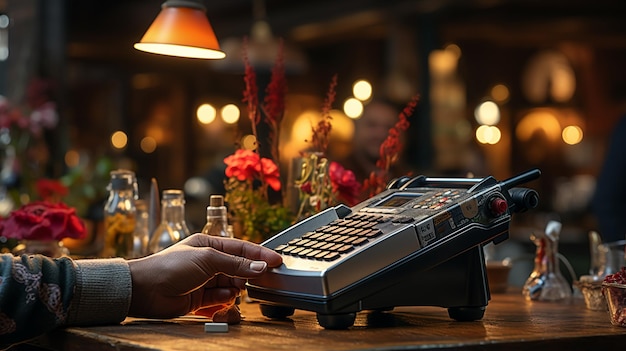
[{"x": 510, "y": 322}]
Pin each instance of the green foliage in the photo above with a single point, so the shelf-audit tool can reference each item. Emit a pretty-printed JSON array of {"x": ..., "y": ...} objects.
[
  {"x": 87, "y": 185},
  {"x": 249, "y": 205}
]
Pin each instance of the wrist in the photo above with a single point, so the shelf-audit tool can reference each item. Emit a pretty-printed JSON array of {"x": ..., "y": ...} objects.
[{"x": 103, "y": 292}]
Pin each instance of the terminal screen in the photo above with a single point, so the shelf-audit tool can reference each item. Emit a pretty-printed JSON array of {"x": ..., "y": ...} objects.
[{"x": 397, "y": 200}]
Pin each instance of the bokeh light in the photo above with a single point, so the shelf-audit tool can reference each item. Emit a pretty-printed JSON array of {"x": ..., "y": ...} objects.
[
  {"x": 362, "y": 90},
  {"x": 487, "y": 113},
  {"x": 230, "y": 113},
  {"x": 148, "y": 145},
  {"x": 119, "y": 139},
  {"x": 206, "y": 113},
  {"x": 488, "y": 134},
  {"x": 572, "y": 135},
  {"x": 72, "y": 158},
  {"x": 539, "y": 121},
  {"x": 353, "y": 108},
  {"x": 500, "y": 93}
]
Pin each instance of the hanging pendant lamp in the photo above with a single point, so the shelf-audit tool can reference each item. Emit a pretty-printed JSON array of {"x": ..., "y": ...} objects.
[{"x": 181, "y": 29}]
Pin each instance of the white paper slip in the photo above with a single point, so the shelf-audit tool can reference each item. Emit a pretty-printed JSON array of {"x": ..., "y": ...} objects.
[{"x": 215, "y": 327}]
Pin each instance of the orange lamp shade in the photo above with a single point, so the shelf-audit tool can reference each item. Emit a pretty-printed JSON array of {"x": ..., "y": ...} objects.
[{"x": 181, "y": 31}]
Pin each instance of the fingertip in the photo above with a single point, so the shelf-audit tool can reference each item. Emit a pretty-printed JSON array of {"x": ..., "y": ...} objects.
[
  {"x": 277, "y": 261},
  {"x": 273, "y": 258}
]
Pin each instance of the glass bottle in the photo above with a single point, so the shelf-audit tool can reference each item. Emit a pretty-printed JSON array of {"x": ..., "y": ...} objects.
[
  {"x": 216, "y": 218},
  {"x": 142, "y": 233},
  {"x": 546, "y": 283},
  {"x": 173, "y": 226},
  {"x": 217, "y": 225},
  {"x": 119, "y": 214}
]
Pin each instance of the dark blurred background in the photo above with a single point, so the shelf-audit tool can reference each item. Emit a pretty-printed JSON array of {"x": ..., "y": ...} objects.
[{"x": 558, "y": 61}]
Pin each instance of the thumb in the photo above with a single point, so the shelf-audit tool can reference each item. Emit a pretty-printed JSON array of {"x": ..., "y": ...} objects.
[{"x": 216, "y": 261}]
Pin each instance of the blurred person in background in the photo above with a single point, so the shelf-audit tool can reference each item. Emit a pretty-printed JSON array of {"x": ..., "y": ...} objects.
[
  {"x": 370, "y": 130},
  {"x": 609, "y": 201}
]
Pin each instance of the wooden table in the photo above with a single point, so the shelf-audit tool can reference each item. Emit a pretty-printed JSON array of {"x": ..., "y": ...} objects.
[{"x": 510, "y": 323}]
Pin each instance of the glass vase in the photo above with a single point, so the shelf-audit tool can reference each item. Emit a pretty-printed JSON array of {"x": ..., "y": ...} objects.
[
  {"x": 311, "y": 184},
  {"x": 546, "y": 283}
]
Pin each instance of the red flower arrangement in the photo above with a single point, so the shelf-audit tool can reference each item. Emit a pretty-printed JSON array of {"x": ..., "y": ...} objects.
[
  {"x": 322, "y": 183},
  {"x": 42, "y": 220},
  {"x": 249, "y": 176},
  {"x": 45, "y": 219}
]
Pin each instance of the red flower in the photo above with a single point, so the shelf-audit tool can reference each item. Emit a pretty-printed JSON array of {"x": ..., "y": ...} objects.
[
  {"x": 242, "y": 165},
  {"x": 247, "y": 165},
  {"x": 50, "y": 189},
  {"x": 271, "y": 174},
  {"x": 306, "y": 188},
  {"x": 344, "y": 183},
  {"x": 43, "y": 221},
  {"x": 11, "y": 116}
]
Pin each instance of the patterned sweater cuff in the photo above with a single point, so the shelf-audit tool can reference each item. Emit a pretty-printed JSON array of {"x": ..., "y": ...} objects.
[{"x": 103, "y": 292}]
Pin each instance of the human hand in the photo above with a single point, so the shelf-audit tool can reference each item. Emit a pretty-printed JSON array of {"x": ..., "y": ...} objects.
[{"x": 198, "y": 272}]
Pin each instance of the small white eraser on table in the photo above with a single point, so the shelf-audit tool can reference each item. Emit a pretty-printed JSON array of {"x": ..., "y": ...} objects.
[{"x": 215, "y": 327}]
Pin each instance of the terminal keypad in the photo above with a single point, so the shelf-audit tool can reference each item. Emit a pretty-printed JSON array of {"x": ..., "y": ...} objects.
[{"x": 341, "y": 236}]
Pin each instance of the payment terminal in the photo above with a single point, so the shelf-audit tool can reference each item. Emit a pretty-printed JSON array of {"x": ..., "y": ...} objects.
[{"x": 418, "y": 243}]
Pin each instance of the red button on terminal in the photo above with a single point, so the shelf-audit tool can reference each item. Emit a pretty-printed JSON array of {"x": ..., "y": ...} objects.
[{"x": 498, "y": 206}]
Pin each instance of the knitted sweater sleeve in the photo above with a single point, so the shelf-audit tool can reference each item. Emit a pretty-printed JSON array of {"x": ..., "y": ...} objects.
[{"x": 38, "y": 294}]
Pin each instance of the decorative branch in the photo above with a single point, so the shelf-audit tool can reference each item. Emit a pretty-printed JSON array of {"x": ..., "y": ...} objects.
[
  {"x": 390, "y": 150},
  {"x": 274, "y": 102},
  {"x": 321, "y": 132}
]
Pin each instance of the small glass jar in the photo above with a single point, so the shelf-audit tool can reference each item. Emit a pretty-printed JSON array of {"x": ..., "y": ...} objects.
[
  {"x": 217, "y": 218},
  {"x": 119, "y": 214},
  {"x": 173, "y": 226},
  {"x": 142, "y": 233},
  {"x": 615, "y": 295},
  {"x": 546, "y": 282},
  {"x": 591, "y": 288}
]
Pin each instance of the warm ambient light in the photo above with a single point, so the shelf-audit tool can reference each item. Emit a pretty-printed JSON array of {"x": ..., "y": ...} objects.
[
  {"x": 230, "y": 113},
  {"x": 500, "y": 93},
  {"x": 362, "y": 90},
  {"x": 487, "y": 113},
  {"x": 182, "y": 29},
  {"x": 572, "y": 135},
  {"x": 119, "y": 139},
  {"x": 353, "y": 108},
  {"x": 206, "y": 113},
  {"x": 543, "y": 122},
  {"x": 488, "y": 134},
  {"x": 148, "y": 145},
  {"x": 72, "y": 158}
]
